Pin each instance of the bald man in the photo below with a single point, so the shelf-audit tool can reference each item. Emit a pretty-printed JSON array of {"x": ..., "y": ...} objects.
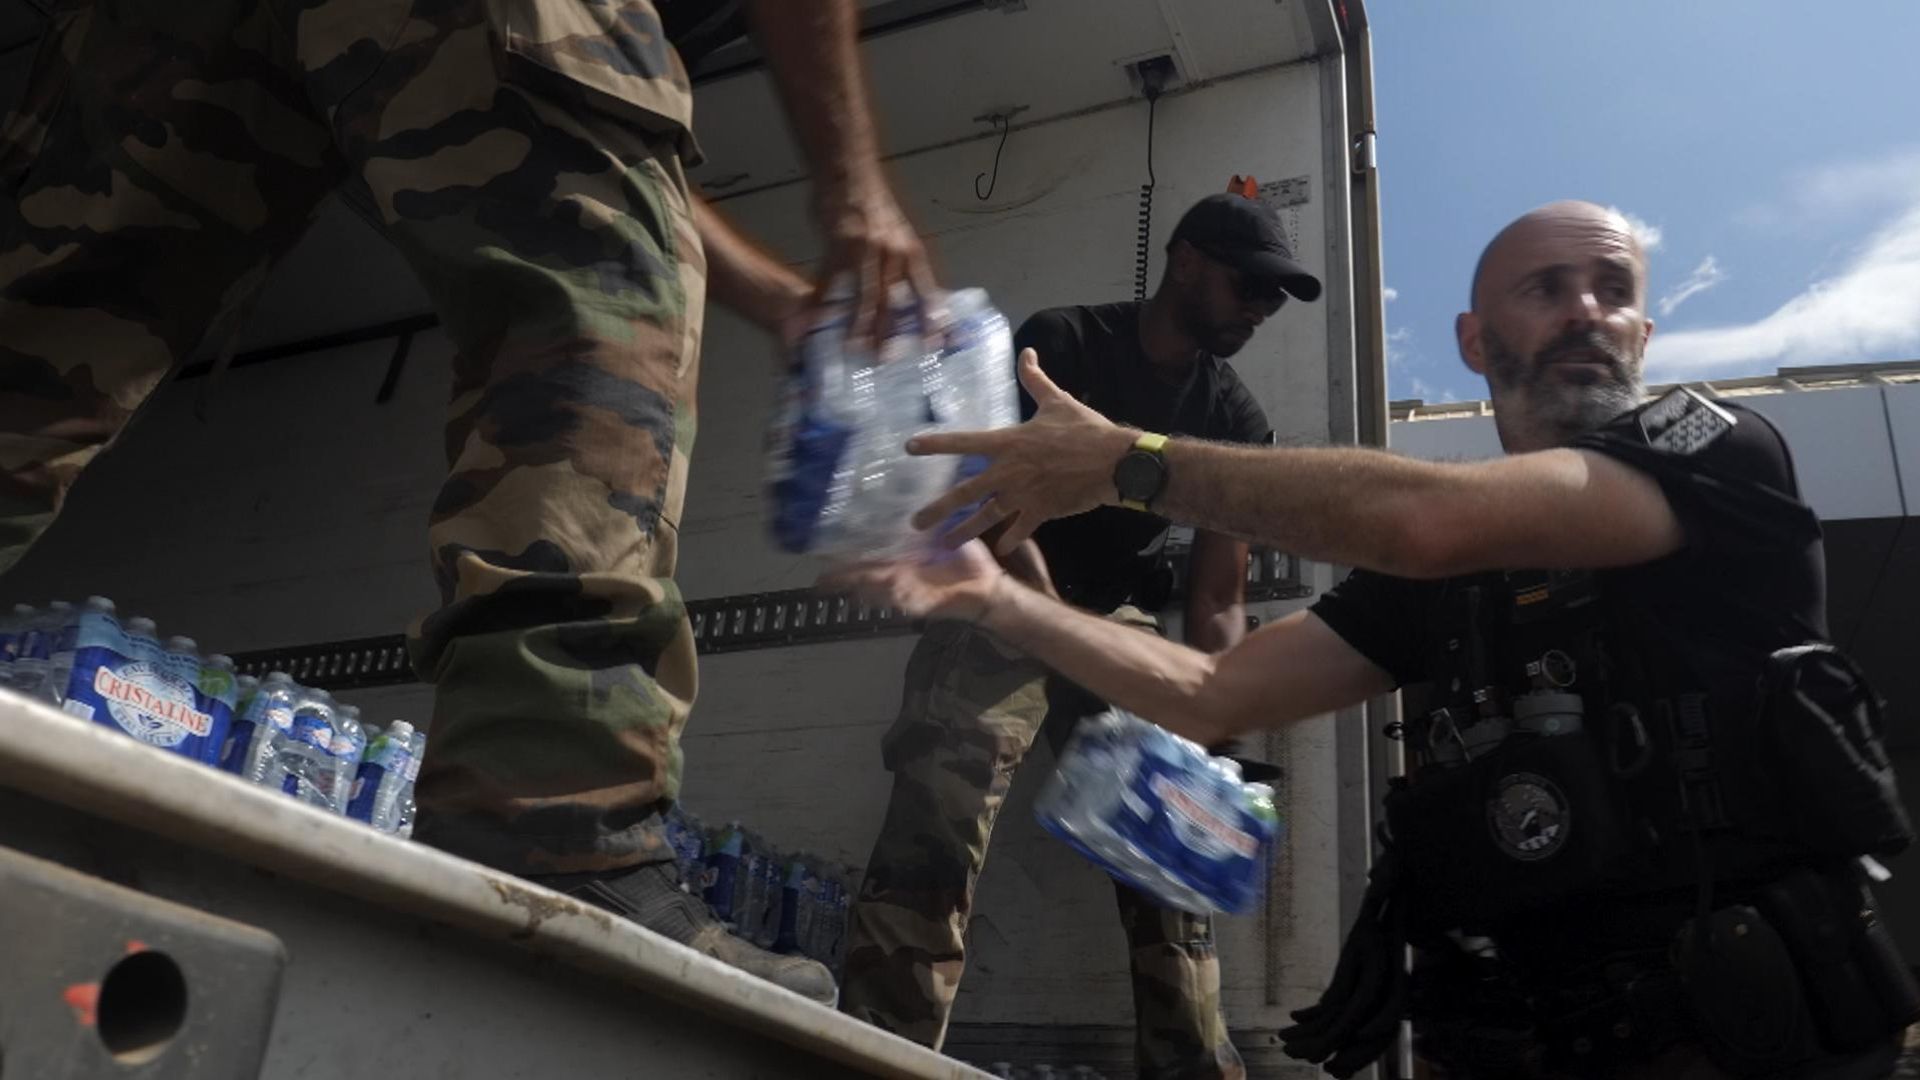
[{"x": 1618, "y": 853}]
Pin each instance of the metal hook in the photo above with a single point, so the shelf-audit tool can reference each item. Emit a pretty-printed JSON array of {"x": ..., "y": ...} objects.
[{"x": 1003, "y": 118}]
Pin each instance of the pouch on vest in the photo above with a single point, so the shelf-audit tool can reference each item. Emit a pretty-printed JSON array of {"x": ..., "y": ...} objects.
[
  {"x": 1745, "y": 993},
  {"x": 1821, "y": 720},
  {"x": 1858, "y": 985},
  {"x": 1531, "y": 822}
]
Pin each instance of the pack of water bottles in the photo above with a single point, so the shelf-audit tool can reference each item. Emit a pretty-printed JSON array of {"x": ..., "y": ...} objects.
[
  {"x": 86, "y": 662},
  {"x": 1158, "y": 812},
  {"x": 778, "y": 900},
  {"x": 1009, "y": 1071},
  {"x": 839, "y": 478},
  {"x": 301, "y": 742},
  {"x": 95, "y": 667}
]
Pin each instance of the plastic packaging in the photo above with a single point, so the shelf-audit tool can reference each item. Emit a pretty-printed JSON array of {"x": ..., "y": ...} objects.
[
  {"x": 1158, "y": 812},
  {"x": 840, "y": 480}
]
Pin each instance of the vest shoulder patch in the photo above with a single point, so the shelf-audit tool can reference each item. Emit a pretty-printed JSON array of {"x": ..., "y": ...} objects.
[{"x": 1685, "y": 423}]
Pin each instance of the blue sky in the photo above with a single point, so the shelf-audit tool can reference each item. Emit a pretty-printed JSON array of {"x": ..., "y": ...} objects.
[{"x": 1772, "y": 147}]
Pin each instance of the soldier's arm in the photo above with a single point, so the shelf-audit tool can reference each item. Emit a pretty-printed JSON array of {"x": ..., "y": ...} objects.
[
  {"x": 1216, "y": 615},
  {"x": 745, "y": 278},
  {"x": 813, "y": 54},
  {"x": 1286, "y": 671}
]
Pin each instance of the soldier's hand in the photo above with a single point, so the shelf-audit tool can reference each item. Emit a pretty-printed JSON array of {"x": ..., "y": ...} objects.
[
  {"x": 870, "y": 239},
  {"x": 949, "y": 585}
]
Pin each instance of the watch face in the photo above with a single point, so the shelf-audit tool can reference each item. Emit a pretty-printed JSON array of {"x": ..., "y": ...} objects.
[{"x": 1139, "y": 475}]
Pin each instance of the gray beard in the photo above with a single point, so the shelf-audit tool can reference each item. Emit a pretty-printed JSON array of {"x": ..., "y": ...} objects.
[{"x": 1534, "y": 410}]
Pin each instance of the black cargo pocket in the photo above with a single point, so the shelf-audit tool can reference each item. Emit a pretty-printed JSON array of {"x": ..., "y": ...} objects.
[{"x": 1822, "y": 722}]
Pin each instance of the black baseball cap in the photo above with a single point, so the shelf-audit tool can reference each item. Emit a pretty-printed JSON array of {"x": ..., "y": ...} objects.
[{"x": 1246, "y": 235}]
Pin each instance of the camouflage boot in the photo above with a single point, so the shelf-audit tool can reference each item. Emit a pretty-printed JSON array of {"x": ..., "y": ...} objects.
[{"x": 651, "y": 896}]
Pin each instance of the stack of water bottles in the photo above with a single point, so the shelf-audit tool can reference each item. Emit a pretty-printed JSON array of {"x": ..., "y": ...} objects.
[
  {"x": 840, "y": 479},
  {"x": 301, "y": 742},
  {"x": 790, "y": 903},
  {"x": 1159, "y": 813},
  {"x": 1009, "y": 1071},
  {"x": 91, "y": 665}
]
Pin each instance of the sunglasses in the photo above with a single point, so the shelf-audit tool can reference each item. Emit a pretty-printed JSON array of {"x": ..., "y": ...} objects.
[{"x": 1259, "y": 290}]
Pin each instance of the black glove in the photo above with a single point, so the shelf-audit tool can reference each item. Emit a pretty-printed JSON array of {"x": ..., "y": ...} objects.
[{"x": 1358, "y": 1017}]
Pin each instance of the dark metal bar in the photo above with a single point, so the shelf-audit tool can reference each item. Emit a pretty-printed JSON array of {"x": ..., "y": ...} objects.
[{"x": 768, "y": 620}]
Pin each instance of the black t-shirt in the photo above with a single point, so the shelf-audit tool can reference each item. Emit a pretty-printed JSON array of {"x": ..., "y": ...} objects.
[
  {"x": 1750, "y": 579},
  {"x": 1094, "y": 354},
  {"x": 698, "y": 27}
]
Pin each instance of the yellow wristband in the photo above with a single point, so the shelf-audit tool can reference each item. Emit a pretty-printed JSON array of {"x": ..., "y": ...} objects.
[{"x": 1152, "y": 444}]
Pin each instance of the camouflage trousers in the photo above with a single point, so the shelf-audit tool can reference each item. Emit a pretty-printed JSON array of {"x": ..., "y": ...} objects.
[
  {"x": 525, "y": 156},
  {"x": 972, "y": 707}
]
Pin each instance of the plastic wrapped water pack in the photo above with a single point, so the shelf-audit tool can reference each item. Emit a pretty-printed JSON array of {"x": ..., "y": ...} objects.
[
  {"x": 1159, "y": 813},
  {"x": 840, "y": 479}
]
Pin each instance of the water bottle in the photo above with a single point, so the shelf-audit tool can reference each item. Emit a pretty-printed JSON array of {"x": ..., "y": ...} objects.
[
  {"x": 305, "y": 762},
  {"x": 219, "y": 694},
  {"x": 348, "y": 747},
  {"x": 245, "y": 687},
  {"x": 179, "y": 674},
  {"x": 795, "y": 908},
  {"x": 32, "y": 667},
  {"x": 60, "y": 654},
  {"x": 751, "y": 889},
  {"x": 381, "y": 786},
  {"x": 773, "y": 872},
  {"x": 143, "y": 637},
  {"x": 252, "y": 742},
  {"x": 723, "y": 866},
  {"x": 61, "y": 661},
  {"x": 413, "y": 777},
  {"x": 13, "y": 630},
  {"x": 404, "y": 829}
]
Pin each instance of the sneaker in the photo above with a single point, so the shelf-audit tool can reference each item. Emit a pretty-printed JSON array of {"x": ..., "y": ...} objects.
[{"x": 652, "y": 897}]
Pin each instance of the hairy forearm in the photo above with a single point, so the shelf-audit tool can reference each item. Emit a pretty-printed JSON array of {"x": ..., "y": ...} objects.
[
  {"x": 813, "y": 55},
  {"x": 1346, "y": 506},
  {"x": 743, "y": 277}
]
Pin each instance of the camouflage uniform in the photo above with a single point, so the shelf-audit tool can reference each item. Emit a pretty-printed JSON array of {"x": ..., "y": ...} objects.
[
  {"x": 971, "y": 708},
  {"x": 525, "y": 156}
]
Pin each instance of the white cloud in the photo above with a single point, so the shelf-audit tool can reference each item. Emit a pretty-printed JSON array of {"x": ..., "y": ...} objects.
[
  {"x": 1869, "y": 310},
  {"x": 1430, "y": 393},
  {"x": 1398, "y": 346},
  {"x": 1842, "y": 189},
  {"x": 1649, "y": 234},
  {"x": 1704, "y": 277},
  {"x": 1390, "y": 293}
]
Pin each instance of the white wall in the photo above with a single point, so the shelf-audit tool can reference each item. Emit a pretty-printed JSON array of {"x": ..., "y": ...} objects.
[
  {"x": 297, "y": 514},
  {"x": 1856, "y": 449}
]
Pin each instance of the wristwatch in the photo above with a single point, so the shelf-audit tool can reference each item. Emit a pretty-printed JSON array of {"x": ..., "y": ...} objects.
[{"x": 1142, "y": 474}]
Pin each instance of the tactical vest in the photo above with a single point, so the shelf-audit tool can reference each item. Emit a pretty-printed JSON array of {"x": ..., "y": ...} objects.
[{"x": 1579, "y": 748}]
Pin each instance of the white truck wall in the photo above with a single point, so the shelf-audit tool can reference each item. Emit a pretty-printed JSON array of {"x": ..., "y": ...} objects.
[{"x": 296, "y": 514}]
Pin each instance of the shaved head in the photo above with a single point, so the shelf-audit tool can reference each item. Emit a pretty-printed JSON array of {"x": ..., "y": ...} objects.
[
  {"x": 1553, "y": 216},
  {"x": 1557, "y": 323}
]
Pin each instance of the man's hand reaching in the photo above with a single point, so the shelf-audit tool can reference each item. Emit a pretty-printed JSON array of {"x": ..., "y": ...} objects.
[
  {"x": 1057, "y": 464},
  {"x": 957, "y": 585}
]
